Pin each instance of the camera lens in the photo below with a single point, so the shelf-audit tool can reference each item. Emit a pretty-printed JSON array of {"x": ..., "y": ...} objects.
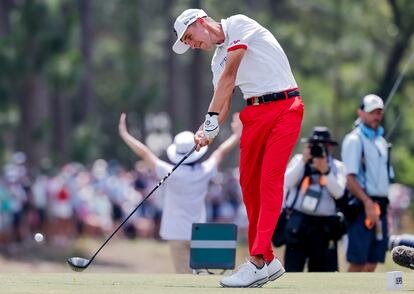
[{"x": 316, "y": 150}]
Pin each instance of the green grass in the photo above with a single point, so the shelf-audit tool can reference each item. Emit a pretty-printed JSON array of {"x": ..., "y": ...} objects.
[
  {"x": 144, "y": 266},
  {"x": 91, "y": 283}
]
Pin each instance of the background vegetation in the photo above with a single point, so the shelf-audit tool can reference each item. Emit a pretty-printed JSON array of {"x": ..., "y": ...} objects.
[{"x": 69, "y": 68}]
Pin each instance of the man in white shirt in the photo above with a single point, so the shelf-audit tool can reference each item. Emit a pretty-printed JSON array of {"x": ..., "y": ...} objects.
[
  {"x": 248, "y": 56},
  {"x": 365, "y": 155},
  {"x": 186, "y": 190}
]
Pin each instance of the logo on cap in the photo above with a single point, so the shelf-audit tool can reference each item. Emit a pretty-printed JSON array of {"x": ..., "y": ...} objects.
[{"x": 188, "y": 20}]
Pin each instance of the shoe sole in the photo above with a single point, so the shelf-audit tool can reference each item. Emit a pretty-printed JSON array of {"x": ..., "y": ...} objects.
[
  {"x": 277, "y": 274},
  {"x": 255, "y": 284}
]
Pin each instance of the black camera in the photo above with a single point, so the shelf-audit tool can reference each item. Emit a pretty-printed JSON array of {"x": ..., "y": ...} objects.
[{"x": 317, "y": 149}]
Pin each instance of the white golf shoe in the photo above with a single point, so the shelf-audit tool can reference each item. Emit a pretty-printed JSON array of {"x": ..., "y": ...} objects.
[
  {"x": 275, "y": 269},
  {"x": 247, "y": 276}
]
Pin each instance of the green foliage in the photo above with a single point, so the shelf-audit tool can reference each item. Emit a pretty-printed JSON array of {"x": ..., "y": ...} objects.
[
  {"x": 87, "y": 139},
  {"x": 403, "y": 159},
  {"x": 338, "y": 50}
]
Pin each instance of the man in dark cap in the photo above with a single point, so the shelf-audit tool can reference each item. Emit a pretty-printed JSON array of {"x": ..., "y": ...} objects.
[{"x": 314, "y": 180}]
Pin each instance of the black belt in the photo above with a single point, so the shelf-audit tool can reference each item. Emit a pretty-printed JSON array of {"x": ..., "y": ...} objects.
[{"x": 272, "y": 97}]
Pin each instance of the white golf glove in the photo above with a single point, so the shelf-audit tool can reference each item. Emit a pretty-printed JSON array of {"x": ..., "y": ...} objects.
[{"x": 211, "y": 125}]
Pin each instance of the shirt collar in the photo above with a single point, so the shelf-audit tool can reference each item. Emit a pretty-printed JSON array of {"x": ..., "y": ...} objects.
[
  {"x": 224, "y": 27},
  {"x": 370, "y": 133}
]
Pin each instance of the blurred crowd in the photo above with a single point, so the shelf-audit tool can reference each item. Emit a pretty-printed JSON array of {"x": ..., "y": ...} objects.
[
  {"x": 91, "y": 201},
  {"x": 78, "y": 200}
]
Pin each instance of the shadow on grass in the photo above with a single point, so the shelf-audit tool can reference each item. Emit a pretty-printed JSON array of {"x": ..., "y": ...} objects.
[{"x": 46, "y": 252}]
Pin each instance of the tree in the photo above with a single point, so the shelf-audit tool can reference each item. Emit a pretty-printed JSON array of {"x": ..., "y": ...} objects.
[{"x": 402, "y": 16}]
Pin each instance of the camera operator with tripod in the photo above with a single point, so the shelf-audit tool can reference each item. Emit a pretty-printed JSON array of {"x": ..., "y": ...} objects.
[{"x": 313, "y": 181}]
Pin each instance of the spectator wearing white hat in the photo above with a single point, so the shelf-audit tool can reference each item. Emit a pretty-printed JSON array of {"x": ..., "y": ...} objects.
[
  {"x": 366, "y": 157},
  {"x": 185, "y": 191}
]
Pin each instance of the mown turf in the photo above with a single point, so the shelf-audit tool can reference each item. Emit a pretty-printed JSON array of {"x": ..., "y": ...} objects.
[{"x": 91, "y": 283}]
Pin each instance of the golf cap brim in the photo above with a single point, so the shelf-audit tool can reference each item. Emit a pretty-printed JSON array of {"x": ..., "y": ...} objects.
[
  {"x": 371, "y": 102},
  {"x": 179, "y": 47},
  {"x": 183, "y": 21}
]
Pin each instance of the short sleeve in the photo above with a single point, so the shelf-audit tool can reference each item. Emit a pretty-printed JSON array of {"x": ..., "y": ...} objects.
[
  {"x": 162, "y": 168},
  {"x": 240, "y": 32},
  {"x": 351, "y": 153}
]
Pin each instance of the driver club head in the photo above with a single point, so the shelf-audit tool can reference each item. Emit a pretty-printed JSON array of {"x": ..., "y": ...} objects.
[{"x": 78, "y": 264}]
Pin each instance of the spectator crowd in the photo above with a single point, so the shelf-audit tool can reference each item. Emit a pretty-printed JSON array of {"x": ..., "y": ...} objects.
[{"x": 78, "y": 200}]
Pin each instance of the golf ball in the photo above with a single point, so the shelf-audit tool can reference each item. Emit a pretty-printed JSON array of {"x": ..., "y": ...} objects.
[{"x": 38, "y": 237}]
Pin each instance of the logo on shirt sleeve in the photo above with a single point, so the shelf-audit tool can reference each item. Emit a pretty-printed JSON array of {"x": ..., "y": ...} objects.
[{"x": 234, "y": 42}]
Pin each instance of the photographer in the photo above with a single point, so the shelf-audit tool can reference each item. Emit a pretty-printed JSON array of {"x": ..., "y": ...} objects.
[{"x": 313, "y": 181}]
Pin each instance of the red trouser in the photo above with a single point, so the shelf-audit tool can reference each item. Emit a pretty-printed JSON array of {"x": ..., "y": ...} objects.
[{"x": 269, "y": 134}]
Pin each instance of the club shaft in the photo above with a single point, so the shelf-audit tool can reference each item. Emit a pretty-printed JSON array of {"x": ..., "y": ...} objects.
[{"x": 143, "y": 200}]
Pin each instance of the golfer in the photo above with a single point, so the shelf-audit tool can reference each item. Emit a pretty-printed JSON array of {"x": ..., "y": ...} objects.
[
  {"x": 186, "y": 190},
  {"x": 248, "y": 56}
]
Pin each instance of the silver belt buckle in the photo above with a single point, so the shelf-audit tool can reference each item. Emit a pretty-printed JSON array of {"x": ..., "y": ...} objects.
[{"x": 256, "y": 101}]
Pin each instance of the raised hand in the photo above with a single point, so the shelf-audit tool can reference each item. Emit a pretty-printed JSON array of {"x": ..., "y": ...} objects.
[
  {"x": 236, "y": 124},
  {"x": 122, "y": 128}
]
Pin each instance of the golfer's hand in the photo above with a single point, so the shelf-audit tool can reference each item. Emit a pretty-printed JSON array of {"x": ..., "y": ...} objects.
[
  {"x": 200, "y": 140},
  {"x": 122, "y": 129}
]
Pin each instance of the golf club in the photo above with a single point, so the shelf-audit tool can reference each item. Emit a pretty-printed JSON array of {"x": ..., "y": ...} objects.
[{"x": 79, "y": 264}]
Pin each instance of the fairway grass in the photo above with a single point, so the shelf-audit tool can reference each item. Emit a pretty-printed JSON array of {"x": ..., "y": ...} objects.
[{"x": 91, "y": 283}]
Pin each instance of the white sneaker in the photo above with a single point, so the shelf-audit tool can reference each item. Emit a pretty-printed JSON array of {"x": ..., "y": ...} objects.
[
  {"x": 247, "y": 276},
  {"x": 275, "y": 269}
]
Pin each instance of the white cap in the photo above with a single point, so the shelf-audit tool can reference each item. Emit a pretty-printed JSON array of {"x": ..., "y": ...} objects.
[
  {"x": 183, "y": 142},
  {"x": 371, "y": 102},
  {"x": 181, "y": 24}
]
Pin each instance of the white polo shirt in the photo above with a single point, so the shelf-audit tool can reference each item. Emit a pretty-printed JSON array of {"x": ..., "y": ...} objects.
[
  {"x": 375, "y": 180},
  {"x": 264, "y": 68},
  {"x": 184, "y": 197}
]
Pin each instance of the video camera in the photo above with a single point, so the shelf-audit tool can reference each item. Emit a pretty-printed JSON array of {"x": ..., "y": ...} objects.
[{"x": 318, "y": 142}]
